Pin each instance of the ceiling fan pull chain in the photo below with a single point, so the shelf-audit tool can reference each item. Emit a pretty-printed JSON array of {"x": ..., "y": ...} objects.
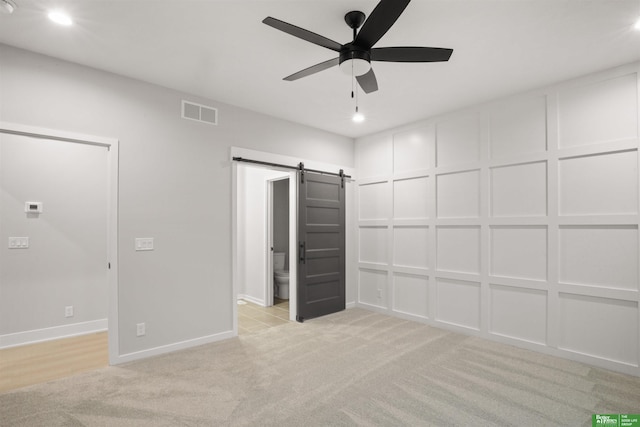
[
  {"x": 356, "y": 85},
  {"x": 352, "y": 79}
]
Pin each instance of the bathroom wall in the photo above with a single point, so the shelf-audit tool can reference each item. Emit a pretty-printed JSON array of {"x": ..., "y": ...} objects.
[
  {"x": 252, "y": 230},
  {"x": 281, "y": 218},
  {"x": 515, "y": 220}
]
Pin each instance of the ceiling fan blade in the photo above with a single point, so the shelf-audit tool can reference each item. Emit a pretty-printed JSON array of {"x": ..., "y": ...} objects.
[
  {"x": 313, "y": 69},
  {"x": 379, "y": 21},
  {"x": 411, "y": 54},
  {"x": 368, "y": 81},
  {"x": 302, "y": 33}
]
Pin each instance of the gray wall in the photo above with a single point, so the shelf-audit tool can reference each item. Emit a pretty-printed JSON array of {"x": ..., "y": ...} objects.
[
  {"x": 174, "y": 184},
  {"x": 65, "y": 264}
]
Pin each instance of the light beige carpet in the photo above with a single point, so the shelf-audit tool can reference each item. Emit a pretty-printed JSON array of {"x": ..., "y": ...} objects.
[{"x": 351, "y": 368}]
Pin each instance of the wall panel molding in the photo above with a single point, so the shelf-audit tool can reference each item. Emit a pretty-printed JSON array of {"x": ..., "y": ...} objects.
[{"x": 530, "y": 207}]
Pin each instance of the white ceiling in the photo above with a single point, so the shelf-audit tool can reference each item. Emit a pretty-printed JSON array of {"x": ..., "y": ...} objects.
[{"x": 222, "y": 51}]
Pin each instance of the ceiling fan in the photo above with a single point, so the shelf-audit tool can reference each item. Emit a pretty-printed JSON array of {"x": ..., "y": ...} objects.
[{"x": 355, "y": 57}]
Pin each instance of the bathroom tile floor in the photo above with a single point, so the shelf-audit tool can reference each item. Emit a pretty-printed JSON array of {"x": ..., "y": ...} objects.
[{"x": 253, "y": 317}]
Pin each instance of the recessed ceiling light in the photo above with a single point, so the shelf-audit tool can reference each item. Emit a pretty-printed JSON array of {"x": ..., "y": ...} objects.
[
  {"x": 7, "y": 6},
  {"x": 60, "y": 18},
  {"x": 637, "y": 25}
]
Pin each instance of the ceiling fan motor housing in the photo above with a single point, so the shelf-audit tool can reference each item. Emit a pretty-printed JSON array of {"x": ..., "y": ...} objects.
[{"x": 356, "y": 57}]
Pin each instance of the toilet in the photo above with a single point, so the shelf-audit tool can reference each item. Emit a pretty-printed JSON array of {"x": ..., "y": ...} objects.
[{"x": 280, "y": 276}]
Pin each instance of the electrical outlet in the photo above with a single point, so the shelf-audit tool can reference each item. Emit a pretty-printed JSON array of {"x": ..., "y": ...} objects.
[
  {"x": 141, "y": 329},
  {"x": 68, "y": 311}
]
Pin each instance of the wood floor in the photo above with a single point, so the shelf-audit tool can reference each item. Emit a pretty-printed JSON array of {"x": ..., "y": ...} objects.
[
  {"x": 38, "y": 363},
  {"x": 42, "y": 362},
  {"x": 253, "y": 318}
]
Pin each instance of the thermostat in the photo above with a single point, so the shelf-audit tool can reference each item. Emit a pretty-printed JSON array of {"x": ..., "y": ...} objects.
[{"x": 33, "y": 207}]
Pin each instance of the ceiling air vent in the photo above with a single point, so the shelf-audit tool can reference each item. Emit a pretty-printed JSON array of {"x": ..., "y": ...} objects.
[{"x": 199, "y": 113}]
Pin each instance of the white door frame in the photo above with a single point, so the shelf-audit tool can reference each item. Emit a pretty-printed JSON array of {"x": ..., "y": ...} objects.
[
  {"x": 268, "y": 291},
  {"x": 236, "y": 231},
  {"x": 293, "y": 218},
  {"x": 112, "y": 212}
]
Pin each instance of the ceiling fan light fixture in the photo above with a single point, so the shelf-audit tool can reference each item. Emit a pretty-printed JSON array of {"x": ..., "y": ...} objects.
[
  {"x": 356, "y": 66},
  {"x": 358, "y": 117},
  {"x": 354, "y": 61},
  {"x": 7, "y": 6}
]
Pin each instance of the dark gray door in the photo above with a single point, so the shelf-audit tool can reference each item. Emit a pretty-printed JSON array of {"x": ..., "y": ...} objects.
[{"x": 321, "y": 245}]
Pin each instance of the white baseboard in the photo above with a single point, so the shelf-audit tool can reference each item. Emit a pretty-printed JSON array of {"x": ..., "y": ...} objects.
[
  {"x": 130, "y": 357},
  {"x": 257, "y": 301},
  {"x": 53, "y": 333},
  {"x": 351, "y": 304}
]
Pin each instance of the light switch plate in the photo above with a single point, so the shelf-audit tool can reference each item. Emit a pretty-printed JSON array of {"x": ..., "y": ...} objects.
[
  {"x": 144, "y": 243},
  {"x": 18, "y": 242}
]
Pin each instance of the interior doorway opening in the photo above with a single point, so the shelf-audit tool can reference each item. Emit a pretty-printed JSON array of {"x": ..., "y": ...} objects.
[
  {"x": 317, "y": 237},
  {"x": 265, "y": 218},
  {"x": 67, "y": 217}
]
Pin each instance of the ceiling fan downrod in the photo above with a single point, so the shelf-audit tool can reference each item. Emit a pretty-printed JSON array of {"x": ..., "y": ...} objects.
[{"x": 354, "y": 20}]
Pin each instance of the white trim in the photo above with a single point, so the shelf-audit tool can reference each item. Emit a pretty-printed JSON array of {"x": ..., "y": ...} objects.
[
  {"x": 293, "y": 245},
  {"x": 269, "y": 282},
  {"x": 234, "y": 248},
  {"x": 112, "y": 253},
  {"x": 251, "y": 299},
  {"x": 112, "y": 210},
  {"x": 38, "y": 132},
  {"x": 143, "y": 354},
  {"x": 53, "y": 333}
]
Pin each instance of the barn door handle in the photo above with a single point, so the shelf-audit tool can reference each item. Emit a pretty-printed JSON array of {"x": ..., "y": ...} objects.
[{"x": 303, "y": 252}]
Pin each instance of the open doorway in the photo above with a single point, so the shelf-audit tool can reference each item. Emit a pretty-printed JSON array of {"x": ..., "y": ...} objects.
[
  {"x": 317, "y": 234},
  {"x": 59, "y": 215},
  {"x": 265, "y": 218}
]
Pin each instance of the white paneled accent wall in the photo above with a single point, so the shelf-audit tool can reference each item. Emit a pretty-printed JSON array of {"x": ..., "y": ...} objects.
[{"x": 515, "y": 221}]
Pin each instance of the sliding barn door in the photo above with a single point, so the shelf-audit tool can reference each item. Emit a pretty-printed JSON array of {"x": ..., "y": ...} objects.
[{"x": 321, "y": 246}]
